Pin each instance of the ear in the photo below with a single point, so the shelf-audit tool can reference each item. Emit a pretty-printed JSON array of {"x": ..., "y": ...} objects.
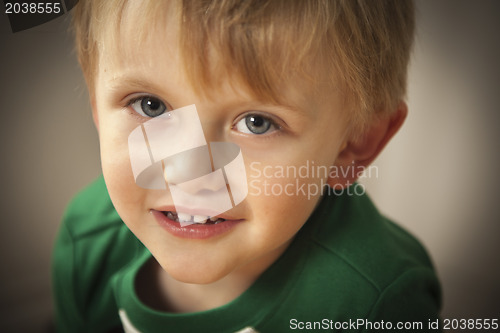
[{"x": 358, "y": 154}]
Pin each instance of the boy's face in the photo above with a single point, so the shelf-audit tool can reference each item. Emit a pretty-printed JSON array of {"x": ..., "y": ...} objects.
[{"x": 308, "y": 131}]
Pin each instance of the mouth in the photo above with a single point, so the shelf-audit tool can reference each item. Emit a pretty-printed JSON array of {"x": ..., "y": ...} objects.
[
  {"x": 203, "y": 225},
  {"x": 192, "y": 219}
]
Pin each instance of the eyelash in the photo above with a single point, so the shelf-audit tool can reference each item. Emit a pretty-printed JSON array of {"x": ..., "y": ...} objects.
[
  {"x": 273, "y": 123},
  {"x": 129, "y": 105}
]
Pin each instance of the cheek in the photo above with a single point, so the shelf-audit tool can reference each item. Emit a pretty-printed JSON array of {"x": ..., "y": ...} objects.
[
  {"x": 115, "y": 160},
  {"x": 277, "y": 218},
  {"x": 282, "y": 200},
  {"x": 117, "y": 170}
]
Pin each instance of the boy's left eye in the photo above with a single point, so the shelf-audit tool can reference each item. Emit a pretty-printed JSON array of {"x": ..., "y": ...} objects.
[
  {"x": 255, "y": 124},
  {"x": 148, "y": 106}
]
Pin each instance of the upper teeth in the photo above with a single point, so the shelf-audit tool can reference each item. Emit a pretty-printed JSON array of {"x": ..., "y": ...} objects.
[
  {"x": 183, "y": 217},
  {"x": 200, "y": 218}
]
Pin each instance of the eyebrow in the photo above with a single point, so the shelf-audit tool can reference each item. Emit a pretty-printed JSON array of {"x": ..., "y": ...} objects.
[{"x": 133, "y": 82}]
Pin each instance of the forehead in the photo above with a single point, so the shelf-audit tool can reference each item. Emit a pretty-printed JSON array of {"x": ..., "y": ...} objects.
[
  {"x": 142, "y": 36},
  {"x": 144, "y": 46}
]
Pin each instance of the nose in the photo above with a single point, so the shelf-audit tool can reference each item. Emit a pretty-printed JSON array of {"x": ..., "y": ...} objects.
[{"x": 193, "y": 171}]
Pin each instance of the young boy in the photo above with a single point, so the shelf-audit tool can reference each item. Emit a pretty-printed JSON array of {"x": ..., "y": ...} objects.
[{"x": 300, "y": 94}]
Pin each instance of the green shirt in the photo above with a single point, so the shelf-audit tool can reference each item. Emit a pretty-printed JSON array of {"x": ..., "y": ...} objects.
[{"x": 349, "y": 269}]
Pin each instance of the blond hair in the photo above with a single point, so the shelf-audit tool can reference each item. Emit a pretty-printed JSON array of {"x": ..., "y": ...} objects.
[{"x": 361, "y": 48}]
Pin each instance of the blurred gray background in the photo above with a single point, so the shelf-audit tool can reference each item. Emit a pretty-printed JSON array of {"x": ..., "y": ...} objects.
[{"x": 438, "y": 177}]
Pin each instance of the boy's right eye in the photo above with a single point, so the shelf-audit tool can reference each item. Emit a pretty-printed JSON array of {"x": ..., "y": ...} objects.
[{"x": 148, "y": 106}]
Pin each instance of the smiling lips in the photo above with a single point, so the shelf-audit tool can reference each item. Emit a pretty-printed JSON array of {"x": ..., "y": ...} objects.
[{"x": 204, "y": 227}]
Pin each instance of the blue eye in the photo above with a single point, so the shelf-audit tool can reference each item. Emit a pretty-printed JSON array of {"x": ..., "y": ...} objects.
[
  {"x": 148, "y": 106},
  {"x": 255, "y": 124}
]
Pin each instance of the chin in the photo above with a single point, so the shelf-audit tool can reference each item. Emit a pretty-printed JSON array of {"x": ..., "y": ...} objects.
[{"x": 195, "y": 275}]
